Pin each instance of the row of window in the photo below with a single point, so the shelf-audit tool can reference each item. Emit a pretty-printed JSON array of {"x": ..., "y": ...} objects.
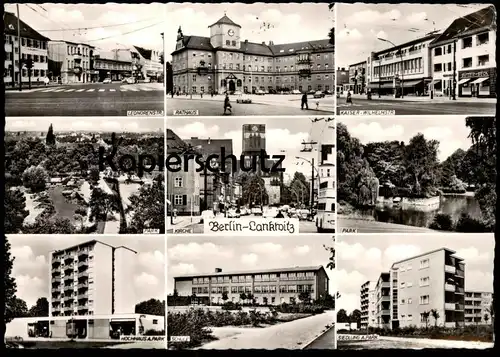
[
  {"x": 258, "y": 289},
  {"x": 481, "y": 61},
  {"x": 414, "y": 65},
  {"x": 75, "y": 50},
  {"x": 194, "y": 89},
  {"x": 72, "y": 64},
  {"x": 35, "y": 73},
  {"x": 258, "y": 277},
  {"x": 26, "y": 42},
  {"x": 116, "y": 66},
  {"x": 237, "y": 56},
  {"x": 256, "y": 79},
  {"x": 9, "y": 56},
  {"x": 467, "y": 42}
]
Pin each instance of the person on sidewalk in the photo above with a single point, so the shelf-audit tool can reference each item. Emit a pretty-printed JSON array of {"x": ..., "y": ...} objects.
[
  {"x": 173, "y": 94},
  {"x": 304, "y": 102},
  {"x": 349, "y": 97},
  {"x": 46, "y": 81},
  {"x": 227, "y": 104}
]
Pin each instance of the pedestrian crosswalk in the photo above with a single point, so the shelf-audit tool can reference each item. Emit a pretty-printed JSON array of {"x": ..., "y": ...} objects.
[{"x": 123, "y": 88}]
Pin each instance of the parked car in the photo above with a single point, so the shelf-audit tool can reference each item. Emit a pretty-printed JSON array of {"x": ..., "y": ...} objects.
[
  {"x": 233, "y": 213},
  {"x": 243, "y": 99},
  {"x": 260, "y": 92},
  {"x": 257, "y": 211},
  {"x": 106, "y": 81},
  {"x": 319, "y": 94},
  {"x": 327, "y": 92},
  {"x": 270, "y": 212},
  {"x": 272, "y": 91},
  {"x": 296, "y": 91}
]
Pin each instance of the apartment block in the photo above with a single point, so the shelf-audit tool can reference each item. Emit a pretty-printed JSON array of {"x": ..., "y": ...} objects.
[
  {"x": 72, "y": 62},
  {"x": 368, "y": 305},
  {"x": 91, "y": 279},
  {"x": 414, "y": 286},
  {"x": 268, "y": 286},
  {"x": 477, "y": 307}
]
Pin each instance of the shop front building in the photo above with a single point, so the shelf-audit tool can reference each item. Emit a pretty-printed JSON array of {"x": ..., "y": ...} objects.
[
  {"x": 225, "y": 63},
  {"x": 357, "y": 77},
  {"x": 463, "y": 57},
  {"x": 111, "y": 68},
  {"x": 71, "y": 62}
]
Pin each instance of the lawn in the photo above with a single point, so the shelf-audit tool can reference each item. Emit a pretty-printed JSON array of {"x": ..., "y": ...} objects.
[{"x": 63, "y": 207}]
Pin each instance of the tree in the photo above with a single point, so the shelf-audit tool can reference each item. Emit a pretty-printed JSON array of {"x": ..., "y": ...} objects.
[
  {"x": 305, "y": 297},
  {"x": 18, "y": 308},
  {"x": 79, "y": 218},
  {"x": 331, "y": 262},
  {"x": 15, "y": 210},
  {"x": 151, "y": 307},
  {"x": 52, "y": 225},
  {"x": 40, "y": 309},
  {"x": 243, "y": 297},
  {"x": 342, "y": 316},
  {"x": 300, "y": 185},
  {"x": 10, "y": 286},
  {"x": 435, "y": 316},
  {"x": 175, "y": 295},
  {"x": 486, "y": 318},
  {"x": 50, "y": 139},
  {"x": 331, "y": 34},
  {"x": 224, "y": 296},
  {"x": 426, "y": 315},
  {"x": 251, "y": 298},
  {"x": 355, "y": 317},
  {"x": 94, "y": 174},
  {"x": 254, "y": 190},
  {"x": 101, "y": 204},
  {"x": 35, "y": 178}
]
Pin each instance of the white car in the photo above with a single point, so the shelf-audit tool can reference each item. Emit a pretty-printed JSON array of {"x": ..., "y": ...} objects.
[
  {"x": 208, "y": 214},
  {"x": 257, "y": 211},
  {"x": 233, "y": 214},
  {"x": 296, "y": 91},
  {"x": 271, "y": 212},
  {"x": 243, "y": 99},
  {"x": 260, "y": 92},
  {"x": 106, "y": 81}
]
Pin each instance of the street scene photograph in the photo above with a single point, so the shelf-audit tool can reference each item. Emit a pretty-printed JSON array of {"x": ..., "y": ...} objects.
[
  {"x": 84, "y": 59},
  {"x": 79, "y": 292},
  {"x": 416, "y": 59},
  {"x": 56, "y": 182},
  {"x": 417, "y": 174},
  {"x": 274, "y": 292},
  {"x": 249, "y": 186},
  {"x": 415, "y": 291},
  {"x": 250, "y": 59}
]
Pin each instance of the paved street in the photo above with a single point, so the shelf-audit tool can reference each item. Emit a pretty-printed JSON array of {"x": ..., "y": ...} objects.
[
  {"x": 95, "y": 99},
  {"x": 439, "y": 106},
  {"x": 261, "y": 105},
  {"x": 324, "y": 342},
  {"x": 348, "y": 225},
  {"x": 289, "y": 335}
]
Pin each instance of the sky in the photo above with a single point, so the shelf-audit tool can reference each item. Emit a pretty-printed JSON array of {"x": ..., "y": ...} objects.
[
  {"x": 361, "y": 258},
  {"x": 31, "y": 266},
  {"x": 449, "y": 130},
  {"x": 283, "y": 136},
  {"x": 289, "y": 22},
  {"x": 200, "y": 254},
  {"x": 93, "y": 125},
  {"x": 91, "y": 22},
  {"x": 359, "y": 25}
]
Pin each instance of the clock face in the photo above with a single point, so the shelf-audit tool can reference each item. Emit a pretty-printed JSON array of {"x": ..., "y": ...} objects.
[
  {"x": 230, "y": 33},
  {"x": 254, "y": 128}
]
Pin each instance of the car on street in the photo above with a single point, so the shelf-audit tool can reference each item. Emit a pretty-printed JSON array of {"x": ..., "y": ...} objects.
[
  {"x": 207, "y": 214},
  {"x": 296, "y": 91},
  {"x": 233, "y": 213},
  {"x": 311, "y": 92},
  {"x": 257, "y": 211},
  {"x": 270, "y": 212},
  {"x": 302, "y": 214},
  {"x": 260, "y": 92},
  {"x": 129, "y": 80},
  {"x": 327, "y": 92},
  {"x": 106, "y": 81},
  {"x": 243, "y": 98},
  {"x": 319, "y": 94}
]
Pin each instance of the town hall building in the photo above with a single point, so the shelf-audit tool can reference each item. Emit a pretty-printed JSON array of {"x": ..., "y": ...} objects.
[{"x": 225, "y": 62}]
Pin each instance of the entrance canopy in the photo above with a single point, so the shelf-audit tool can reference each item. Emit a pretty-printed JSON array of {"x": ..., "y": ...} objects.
[
  {"x": 479, "y": 80},
  {"x": 463, "y": 81},
  {"x": 408, "y": 84}
]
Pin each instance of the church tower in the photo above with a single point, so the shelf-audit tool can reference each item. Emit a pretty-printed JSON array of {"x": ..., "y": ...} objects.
[
  {"x": 180, "y": 39},
  {"x": 225, "y": 34}
]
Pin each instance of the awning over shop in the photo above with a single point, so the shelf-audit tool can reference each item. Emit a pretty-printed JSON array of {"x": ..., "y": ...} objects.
[
  {"x": 479, "y": 80},
  {"x": 413, "y": 83},
  {"x": 380, "y": 85},
  {"x": 463, "y": 81}
]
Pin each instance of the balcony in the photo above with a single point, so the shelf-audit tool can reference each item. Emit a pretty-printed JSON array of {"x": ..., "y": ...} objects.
[
  {"x": 459, "y": 290},
  {"x": 459, "y": 307},
  {"x": 68, "y": 258},
  {"x": 449, "y": 287},
  {"x": 83, "y": 286},
  {"x": 303, "y": 61},
  {"x": 55, "y": 290},
  {"x": 460, "y": 273},
  {"x": 69, "y": 277},
  {"x": 385, "y": 298},
  {"x": 68, "y": 287},
  {"x": 56, "y": 280},
  {"x": 450, "y": 269},
  {"x": 450, "y": 306},
  {"x": 56, "y": 308},
  {"x": 83, "y": 275},
  {"x": 68, "y": 308},
  {"x": 384, "y": 312},
  {"x": 83, "y": 264},
  {"x": 83, "y": 296},
  {"x": 56, "y": 262},
  {"x": 68, "y": 268},
  {"x": 83, "y": 253},
  {"x": 385, "y": 284},
  {"x": 306, "y": 72},
  {"x": 56, "y": 273},
  {"x": 69, "y": 298}
]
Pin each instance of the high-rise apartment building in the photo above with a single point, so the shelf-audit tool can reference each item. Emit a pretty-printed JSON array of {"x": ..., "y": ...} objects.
[
  {"x": 92, "y": 279},
  {"x": 368, "y": 305},
  {"x": 413, "y": 287},
  {"x": 268, "y": 286},
  {"x": 478, "y": 307}
]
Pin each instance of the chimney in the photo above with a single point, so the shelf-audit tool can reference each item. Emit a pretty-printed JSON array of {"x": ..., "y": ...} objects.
[
  {"x": 271, "y": 43},
  {"x": 218, "y": 270}
]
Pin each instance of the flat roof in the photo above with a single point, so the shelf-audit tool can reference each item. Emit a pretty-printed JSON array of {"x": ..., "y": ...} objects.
[
  {"x": 427, "y": 253},
  {"x": 250, "y": 272},
  {"x": 90, "y": 242}
]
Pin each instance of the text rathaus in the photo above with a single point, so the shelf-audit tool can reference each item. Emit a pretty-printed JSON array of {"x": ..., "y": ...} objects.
[{"x": 223, "y": 62}]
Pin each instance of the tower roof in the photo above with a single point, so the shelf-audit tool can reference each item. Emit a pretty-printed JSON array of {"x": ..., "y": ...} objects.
[{"x": 224, "y": 20}]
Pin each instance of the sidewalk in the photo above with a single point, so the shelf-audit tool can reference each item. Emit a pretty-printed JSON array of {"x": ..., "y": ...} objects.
[
  {"x": 289, "y": 335},
  {"x": 426, "y": 99},
  {"x": 182, "y": 222}
]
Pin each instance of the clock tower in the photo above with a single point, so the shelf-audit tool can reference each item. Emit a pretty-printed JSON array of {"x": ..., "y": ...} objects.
[{"x": 225, "y": 34}]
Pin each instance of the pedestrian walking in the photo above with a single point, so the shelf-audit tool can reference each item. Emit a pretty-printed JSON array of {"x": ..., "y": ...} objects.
[
  {"x": 46, "y": 81},
  {"x": 317, "y": 105},
  {"x": 173, "y": 94},
  {"x": 227, "y": 104},
  {"x": 304, "y": 102},
  {"x": 349, "y": 97},
  {"x": 201, "y": 95}
]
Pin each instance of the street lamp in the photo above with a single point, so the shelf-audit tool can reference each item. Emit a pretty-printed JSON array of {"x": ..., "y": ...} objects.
[
  {"x": 313, "y": 170},
  {"x": 402, "y": 68}
]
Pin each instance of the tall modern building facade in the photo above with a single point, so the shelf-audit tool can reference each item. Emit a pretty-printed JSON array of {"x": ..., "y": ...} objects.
[
  {"x": 226, "y": 62},
  {"x": 478, "y": 307},
  {"x": 368, "y": 305},
  {"x": 92, "y": 278},
  {"x": 268, "y": 286},
  {"x": 431, "y": 281}
]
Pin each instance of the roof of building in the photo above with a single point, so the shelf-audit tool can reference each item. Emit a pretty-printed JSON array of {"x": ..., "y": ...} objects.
[
  {"x": 224, "y": 20},
  {"x": 90, "y": 242},
  {"x": 358, "y": 63},
  {"x": 427, "y": 253},
  {"x": 10, "y": 28},
  {"x": 406, "y": 44},
  {"x": 258, "y": 271},
  {"x": 260, "y": 49},
  {"x": 467, "y": 25},
  {"x": 112, "y": 56},
  {"x": 74, "y": 43},
  {"x": 144, "y": 52}
]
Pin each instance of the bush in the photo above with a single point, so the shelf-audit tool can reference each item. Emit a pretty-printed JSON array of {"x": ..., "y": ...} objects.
[
  {"x": 442, "y": 222},
  {"x": 154, "y": 333},
  {"x": 467, "y": 224},
  {"x": 193, "y": 324},
  {"x": 230, "y": 306}
]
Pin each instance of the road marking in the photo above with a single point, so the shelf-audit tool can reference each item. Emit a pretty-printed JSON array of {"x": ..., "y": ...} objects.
[
  {"x": 112, "y": 90},
  {"x": 91, "y": 90},
  {"x": 80, "y": 90},
  {"x": 70, "y": 90},
  {"x": 102, "y": 90},
  {"x": 59, "y": 90},
  {"x": 134, "y": 89},
  {"x": 47, "y": 90}
]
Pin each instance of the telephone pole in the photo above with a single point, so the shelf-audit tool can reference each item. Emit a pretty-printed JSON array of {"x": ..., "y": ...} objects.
[{"x": 19, "y": 44}]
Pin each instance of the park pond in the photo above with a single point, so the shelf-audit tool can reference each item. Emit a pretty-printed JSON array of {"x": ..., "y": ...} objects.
[{"x": 452, "y": 205}]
